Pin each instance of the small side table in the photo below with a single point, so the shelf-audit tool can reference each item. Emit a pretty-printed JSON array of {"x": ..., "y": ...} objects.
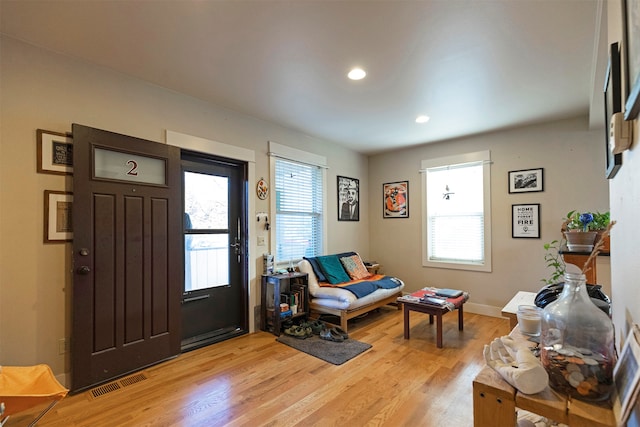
[
  {"x": 431, "y": 310},
  {"x": 373, "y": 268},
  {"x": 511, "y": 309}
]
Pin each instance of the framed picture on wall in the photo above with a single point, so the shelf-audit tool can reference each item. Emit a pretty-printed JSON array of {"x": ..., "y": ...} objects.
[
  {"x": 631, "y": 34},
  {"x": 348, "y": 199},
  {"x": 612, "y": 105},
  {"x": 525, "y": 181},
  {"x": 525, "y": 221},
  {"x": 57, "y": 216},
  {"x": 55, "y": 152},
  {"x": 396, "y": 199}
]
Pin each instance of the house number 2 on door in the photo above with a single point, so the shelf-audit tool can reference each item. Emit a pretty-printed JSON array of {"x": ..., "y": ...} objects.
[{"x": 122, "y": 166}]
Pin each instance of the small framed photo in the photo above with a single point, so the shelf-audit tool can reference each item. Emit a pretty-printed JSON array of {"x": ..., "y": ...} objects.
[
  {"x": 631, "y": 34},
  {"x": 348, "y": 199},
  {"x": 55, "y": 152},
  {"x": 526, "y": 181},
  {"x": 57, "y": 216},
  {"x": 612, "y": 105},
  {"x": 396, "y": 199},
  {"x": 626, "y": 377},
  {"x": 525, "y": 221}
]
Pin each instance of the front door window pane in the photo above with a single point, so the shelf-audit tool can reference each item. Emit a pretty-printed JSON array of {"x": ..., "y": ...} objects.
[
  {"x": 206, "y": 200},
  {"x": 206, "y": 261},
  {"x": 206, "y": 228}
]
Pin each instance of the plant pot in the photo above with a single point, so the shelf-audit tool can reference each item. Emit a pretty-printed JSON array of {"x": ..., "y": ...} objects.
[{"x": 580, "y": 241}]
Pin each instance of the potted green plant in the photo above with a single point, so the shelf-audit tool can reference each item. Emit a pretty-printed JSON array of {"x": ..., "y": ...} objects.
[
  {"x": 582, "y": 230},
  {"x": 577, "y": 230}
]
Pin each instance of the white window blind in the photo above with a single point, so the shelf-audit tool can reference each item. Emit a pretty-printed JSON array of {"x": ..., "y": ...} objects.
[
  {"x": 456, "y": 214},
  {"x": 299, "y": 201}
]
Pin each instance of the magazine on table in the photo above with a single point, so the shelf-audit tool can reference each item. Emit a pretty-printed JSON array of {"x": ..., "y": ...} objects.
[{"x": 448, "y": 293}]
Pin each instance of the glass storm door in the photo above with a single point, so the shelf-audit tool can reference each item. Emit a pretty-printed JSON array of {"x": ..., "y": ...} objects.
[{"x": 214, "y": 303}]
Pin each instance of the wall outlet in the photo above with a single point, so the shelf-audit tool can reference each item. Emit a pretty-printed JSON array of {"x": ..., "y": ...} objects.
[{"x": 63, "y": 346}]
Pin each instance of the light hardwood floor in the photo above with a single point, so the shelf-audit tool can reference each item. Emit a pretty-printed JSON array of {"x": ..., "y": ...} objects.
[{"x": 254, "y": 381}]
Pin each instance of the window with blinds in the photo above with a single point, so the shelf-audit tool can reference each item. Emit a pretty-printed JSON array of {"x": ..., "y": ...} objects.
[
  {"x": 456, "y": 214},
  {"x": 299, "y": 201}
]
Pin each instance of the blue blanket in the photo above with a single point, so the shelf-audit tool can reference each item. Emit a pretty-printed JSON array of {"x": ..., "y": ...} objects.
[{"x": 362, "y": 289}]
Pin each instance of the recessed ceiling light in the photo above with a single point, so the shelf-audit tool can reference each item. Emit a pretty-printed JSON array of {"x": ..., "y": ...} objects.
[
  {"x": 422, "y": 119},
  {"x": 357, "y": 74}
]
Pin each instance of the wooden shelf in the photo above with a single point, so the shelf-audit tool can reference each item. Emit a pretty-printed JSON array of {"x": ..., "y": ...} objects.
[{"x": 275, "y": 285}]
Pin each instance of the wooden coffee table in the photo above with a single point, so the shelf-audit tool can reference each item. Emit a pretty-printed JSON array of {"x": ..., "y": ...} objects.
[{"x": 431, "y": 310}]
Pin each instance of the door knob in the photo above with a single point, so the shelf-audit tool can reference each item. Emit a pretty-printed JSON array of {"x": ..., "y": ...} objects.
[{"x": 84, "y": 270}]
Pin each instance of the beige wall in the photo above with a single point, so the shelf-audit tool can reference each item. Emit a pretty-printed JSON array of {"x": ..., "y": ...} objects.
[
  {"x": 44, "y": 90},
  {"x": 571, "y": 156},
  {"x": 625, "y": 205},
  {"x": 39, "y": 89}
]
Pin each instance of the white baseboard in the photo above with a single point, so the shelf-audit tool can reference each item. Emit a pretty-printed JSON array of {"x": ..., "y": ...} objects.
[{"x": 486, "y": 310}]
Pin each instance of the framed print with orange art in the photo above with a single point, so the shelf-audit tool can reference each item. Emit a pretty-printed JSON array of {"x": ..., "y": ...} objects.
[{"x": 396, "y": 199}]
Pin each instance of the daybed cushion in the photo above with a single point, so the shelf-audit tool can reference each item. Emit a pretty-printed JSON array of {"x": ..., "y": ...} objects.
[{"x": 350, "y": 302}]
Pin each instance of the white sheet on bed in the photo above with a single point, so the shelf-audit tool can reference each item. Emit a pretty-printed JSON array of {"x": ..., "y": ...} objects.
[{"x": 340, "y": 298}]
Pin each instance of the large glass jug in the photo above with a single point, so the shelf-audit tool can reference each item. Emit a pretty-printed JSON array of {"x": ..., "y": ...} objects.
[{"x": 578, "y": 349}]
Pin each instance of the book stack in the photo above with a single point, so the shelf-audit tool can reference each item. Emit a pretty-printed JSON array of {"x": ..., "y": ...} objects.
[
  {"x": 295, "y": 299},
  {"x": 448, "y": 293}
]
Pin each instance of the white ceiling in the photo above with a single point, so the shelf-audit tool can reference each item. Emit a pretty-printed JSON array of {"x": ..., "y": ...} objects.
[{"x": 472, "y": 65}]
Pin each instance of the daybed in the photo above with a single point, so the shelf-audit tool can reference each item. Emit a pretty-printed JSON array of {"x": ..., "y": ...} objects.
[{"x": 340, "y": 285}]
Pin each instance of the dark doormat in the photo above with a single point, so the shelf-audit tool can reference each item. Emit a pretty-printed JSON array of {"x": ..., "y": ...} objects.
[{"x": 329, "y": 351}]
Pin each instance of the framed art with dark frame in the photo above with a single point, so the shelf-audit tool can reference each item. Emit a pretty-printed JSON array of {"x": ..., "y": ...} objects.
[
  {"x": 631, "y": 34},
  {"x": 525, "y": 221},
  {"x": 57, "y": 216},
  {"x": 612, "y": 105},
  {"x": 348, "y": 199},
  {"x": 525, "y": 181},
  {"x": 395, "y": 197},
  {"x": 55, "y": 152}
]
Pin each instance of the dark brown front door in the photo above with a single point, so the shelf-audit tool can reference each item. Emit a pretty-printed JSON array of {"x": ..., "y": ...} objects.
[{"x": 127, "y": 254}]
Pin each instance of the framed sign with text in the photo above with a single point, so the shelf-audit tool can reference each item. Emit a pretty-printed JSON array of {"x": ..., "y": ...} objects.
[
  {"x": 525, "y": 221},
  {"x": 55, "y": 152}
]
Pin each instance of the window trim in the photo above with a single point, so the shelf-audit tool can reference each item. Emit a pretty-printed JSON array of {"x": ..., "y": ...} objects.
[
  {"x": 478, "y": 156},
  {"x": 299, "y": 156}
]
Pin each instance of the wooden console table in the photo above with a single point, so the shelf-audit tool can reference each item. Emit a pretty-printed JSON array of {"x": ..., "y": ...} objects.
[
  {"x": 579, "y": 259},
  {"x": 495, "y": 403}
]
